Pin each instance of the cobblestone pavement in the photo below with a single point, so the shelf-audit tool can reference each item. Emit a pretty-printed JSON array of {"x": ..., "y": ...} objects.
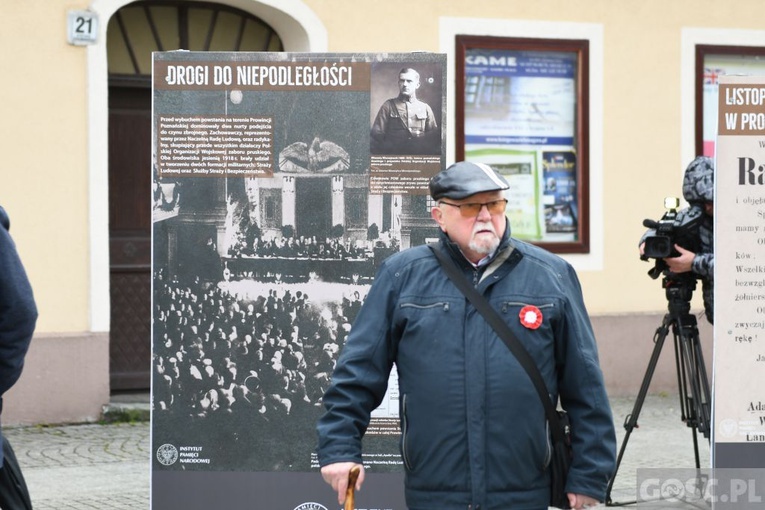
[
  {"x": 79, "y": 467},
  {"x": 661, "y": 440},
  {"x": 86, "y": 467}
]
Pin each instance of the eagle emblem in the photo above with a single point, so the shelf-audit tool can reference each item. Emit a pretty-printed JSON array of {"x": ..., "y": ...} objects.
[{"x": 321, "y": 156}]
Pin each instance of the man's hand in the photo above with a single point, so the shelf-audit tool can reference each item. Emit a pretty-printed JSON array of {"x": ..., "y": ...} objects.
[
  {"x": 682, "y": 263},
  {"x": 579, "y": 501},
  {"x": 336, "y": 475}
]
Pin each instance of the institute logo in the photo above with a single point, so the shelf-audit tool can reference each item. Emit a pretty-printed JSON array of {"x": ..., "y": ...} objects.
[
  {"x": 728, "y": 427},
  {"x": 167, "y": 454},
  {"x": 311, "y": 506}
]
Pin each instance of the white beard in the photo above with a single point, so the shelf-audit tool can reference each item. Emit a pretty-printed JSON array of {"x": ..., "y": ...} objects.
[{"x": 484, "y": 246}]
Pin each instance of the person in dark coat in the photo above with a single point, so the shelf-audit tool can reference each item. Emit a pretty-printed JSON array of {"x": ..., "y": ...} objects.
[
  {"x": 473, "y": 429},
  {"x": 18, "y": 316},
  {"x": 698, "y": 220}
]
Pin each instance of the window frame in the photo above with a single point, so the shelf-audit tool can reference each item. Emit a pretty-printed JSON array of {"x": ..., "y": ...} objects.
[{"x": 581, "y": 148}]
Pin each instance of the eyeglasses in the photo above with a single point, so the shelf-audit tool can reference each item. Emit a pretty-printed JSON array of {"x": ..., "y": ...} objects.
[{"x": 472, "y": 210}]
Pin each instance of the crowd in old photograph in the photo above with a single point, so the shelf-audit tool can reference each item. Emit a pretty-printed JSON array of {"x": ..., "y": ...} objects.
[
  {"x": 306, "y": 247},
  {"x": 216, "y": 354}
]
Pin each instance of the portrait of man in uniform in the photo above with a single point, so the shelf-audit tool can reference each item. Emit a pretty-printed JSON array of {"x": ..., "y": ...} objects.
[{"x": 405, "y": 124}]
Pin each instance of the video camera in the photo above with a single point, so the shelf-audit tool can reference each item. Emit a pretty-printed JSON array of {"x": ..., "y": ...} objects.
[{"x": 670, "y": 230}]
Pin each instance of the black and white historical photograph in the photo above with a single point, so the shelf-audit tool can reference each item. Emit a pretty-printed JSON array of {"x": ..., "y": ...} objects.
[
  {"x": 250, "y": 313},
  {"x": 406, "y": 108}
]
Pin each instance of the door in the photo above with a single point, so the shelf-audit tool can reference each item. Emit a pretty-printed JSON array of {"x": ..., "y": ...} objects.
[
  {"x": 133, "y": 33},
  {"x": 313, "y": 213},
  {"x": 130, "y": 184}
]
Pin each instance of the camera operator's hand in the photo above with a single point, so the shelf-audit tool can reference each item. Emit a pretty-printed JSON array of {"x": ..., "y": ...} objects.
[
  {"x": 642, "y": 249},
  {"x": 682, "y": 263}
]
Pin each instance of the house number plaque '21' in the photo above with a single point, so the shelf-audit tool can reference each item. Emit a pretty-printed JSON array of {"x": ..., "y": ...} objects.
[{"x": 81, "y": 27}]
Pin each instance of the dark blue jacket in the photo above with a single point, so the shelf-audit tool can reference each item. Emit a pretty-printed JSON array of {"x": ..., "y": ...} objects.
[
  {"x": 473, "y": 427},
  {"x": 18, "y": 313}
]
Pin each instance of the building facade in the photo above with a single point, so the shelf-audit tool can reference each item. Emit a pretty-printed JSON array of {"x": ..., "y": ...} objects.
[{"x": 75, "y": 137}]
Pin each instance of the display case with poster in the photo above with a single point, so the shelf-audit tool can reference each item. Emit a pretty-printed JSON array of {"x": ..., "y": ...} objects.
[
  {"x": 280, "y": 207},
  {"x": 523, "y": 103}
]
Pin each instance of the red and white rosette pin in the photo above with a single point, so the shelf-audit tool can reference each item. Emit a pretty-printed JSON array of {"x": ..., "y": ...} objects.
[{"x": 531, "y": 317}]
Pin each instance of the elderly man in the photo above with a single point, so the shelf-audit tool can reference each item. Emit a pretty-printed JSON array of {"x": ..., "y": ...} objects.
[
  {"x": 474, "y": 428},
  {"x": 404, "y": 124}
]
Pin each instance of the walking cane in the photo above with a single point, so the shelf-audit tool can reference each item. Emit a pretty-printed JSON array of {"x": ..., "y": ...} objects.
[{"x": 353, "y": 475}]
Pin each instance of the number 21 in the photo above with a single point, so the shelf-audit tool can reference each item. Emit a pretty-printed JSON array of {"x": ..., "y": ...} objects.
[{"x": 81, "y": 22}]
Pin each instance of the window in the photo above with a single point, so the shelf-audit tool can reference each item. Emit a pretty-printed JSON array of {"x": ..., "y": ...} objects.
[
  {"x": 355, "y": 208},
  {"x": 271, "y": 203},
  {"x": 711, "y": 63},
  {"x": 522, "y": 106},
  {"x": 173, "y": 25}
]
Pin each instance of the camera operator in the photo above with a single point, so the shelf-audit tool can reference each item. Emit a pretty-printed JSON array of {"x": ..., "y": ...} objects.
[{"x": 698, "y": 191}]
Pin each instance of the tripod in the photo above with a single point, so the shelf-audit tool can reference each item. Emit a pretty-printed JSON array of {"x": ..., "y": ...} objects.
[{"x": 692, "y": 380}]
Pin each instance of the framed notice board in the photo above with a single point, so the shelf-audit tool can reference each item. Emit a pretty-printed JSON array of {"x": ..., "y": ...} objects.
[{"x": 523, "y": 107}]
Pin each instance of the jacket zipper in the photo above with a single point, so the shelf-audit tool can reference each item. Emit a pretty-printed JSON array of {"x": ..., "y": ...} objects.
[
  {"x": 443, "y": 305},
  {"x": 548, "y": 455},
  {"x": 508, "y": 304},
  {"x": 404, "y": 430},
  {"x": 548, "y": 442}
]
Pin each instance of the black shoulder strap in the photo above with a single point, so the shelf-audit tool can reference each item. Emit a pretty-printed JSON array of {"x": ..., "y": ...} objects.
[{"x": 504, "y": 332}]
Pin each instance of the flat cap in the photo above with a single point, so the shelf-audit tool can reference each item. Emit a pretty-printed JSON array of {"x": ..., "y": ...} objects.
[{"x": 465, "y": 178}]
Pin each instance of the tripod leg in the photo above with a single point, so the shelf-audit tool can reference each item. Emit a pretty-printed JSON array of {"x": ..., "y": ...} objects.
[
  {"x": 631, "y": 421},
  {"x": 694, "y": 378},
  {"x": 692, "y": 401},
  {"x": 697, "y": 374},
  {"x": 688, "y": 413},
  {"x": 705, "y": 395},
  {"x": 681, "y": 375}
]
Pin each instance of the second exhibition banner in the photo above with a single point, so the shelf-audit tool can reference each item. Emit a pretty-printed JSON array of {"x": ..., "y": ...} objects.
[{"x": 739, "y": 355}]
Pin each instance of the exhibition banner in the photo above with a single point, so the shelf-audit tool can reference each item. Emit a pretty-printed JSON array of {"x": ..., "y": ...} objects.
[
  {"x": 739, "y": 350},
  {"x": 284, "y": 180}
]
